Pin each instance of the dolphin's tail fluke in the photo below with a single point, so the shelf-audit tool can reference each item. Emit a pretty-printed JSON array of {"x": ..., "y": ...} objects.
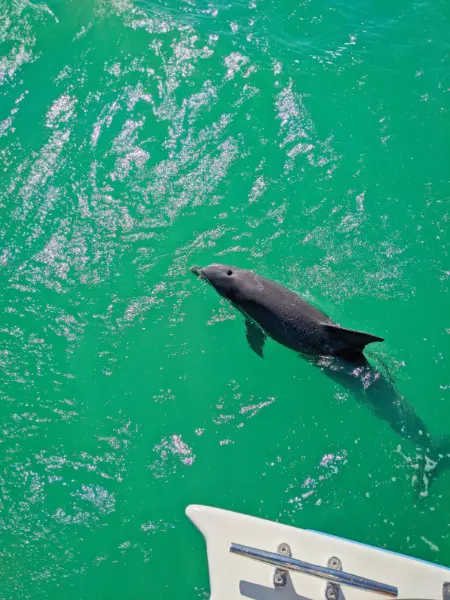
[{"x": 432, "y": 464}]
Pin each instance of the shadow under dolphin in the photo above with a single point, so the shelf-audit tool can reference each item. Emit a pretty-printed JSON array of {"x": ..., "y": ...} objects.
[{"x": 369, "y": 385}]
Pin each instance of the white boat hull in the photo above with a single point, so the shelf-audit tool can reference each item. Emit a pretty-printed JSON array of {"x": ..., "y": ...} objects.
[{"x": 234, "y": 577}]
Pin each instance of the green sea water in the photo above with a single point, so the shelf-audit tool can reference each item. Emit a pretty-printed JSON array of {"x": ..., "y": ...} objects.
[{"x": 308, "y": 141}]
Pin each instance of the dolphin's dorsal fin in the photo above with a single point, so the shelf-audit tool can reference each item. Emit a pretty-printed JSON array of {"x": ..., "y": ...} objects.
[{"x": 349, "y": 338}]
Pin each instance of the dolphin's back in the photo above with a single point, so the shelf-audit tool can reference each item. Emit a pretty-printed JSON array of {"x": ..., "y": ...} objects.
[
  {"x": 293, "y": 322},
  {"x": 284, "y": 315}
]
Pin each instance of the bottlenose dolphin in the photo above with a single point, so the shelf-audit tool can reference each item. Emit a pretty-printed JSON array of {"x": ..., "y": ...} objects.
[{"x": 271, "y": 310}]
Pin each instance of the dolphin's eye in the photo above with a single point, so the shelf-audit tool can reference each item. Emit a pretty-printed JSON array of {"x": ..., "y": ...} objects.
[{"x": 229, "y": 272}]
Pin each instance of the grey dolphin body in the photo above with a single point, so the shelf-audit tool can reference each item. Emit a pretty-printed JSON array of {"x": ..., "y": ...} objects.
[{"x": 270, "y": 309}]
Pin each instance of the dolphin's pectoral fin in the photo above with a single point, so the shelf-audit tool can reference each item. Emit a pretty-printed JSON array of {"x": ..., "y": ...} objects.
[{"x": 255, "y": 337}]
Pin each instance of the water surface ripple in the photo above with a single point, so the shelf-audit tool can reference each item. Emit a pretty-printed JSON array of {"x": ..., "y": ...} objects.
[{"x": 307, "y": 141}]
